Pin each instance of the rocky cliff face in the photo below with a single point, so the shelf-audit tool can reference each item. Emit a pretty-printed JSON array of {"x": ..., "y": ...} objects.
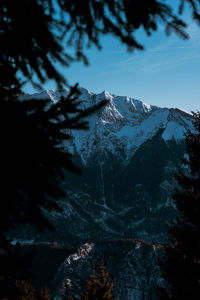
[
  {"x": 128, "y": 158},
  {"x": 132, "y": 266}
]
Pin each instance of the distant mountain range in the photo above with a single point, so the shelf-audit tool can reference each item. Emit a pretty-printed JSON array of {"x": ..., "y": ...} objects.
[{"x": 128, "y": 158}]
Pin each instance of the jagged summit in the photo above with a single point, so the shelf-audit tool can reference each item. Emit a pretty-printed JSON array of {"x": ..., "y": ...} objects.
[
  {"x": 123, "y": 124},
  {"x": 86, "y": 95}
]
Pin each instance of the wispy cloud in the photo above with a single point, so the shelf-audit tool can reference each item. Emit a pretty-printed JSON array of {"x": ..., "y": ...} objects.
[
  {"x": 167, "y": 54},
  {"x": 161, "y": 64}
]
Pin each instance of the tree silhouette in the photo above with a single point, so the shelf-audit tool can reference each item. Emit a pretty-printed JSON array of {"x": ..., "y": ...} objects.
[
  {"x": 14, "y": 269},
  {"x": 36, "y": 34},
  {"x": 33, "y": 161},
  {"x": 44, "y": 294},
  {"x": 99, "y": 286},
  {"x": 34, "y": 38},
  {"x": 33, "y": 158},
  {"x": 27, "y": 292},
  {"x": 181, "y": 261}
]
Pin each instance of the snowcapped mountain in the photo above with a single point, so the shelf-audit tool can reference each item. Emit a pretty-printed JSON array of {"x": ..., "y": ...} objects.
[
  {"x": 118, "y": 207},
  {"x": 128, "y": 158},
  {"x": 124, "y": 123}
]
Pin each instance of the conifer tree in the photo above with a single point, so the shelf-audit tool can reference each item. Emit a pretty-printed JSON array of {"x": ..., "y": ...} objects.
[
  {"x": 33, "y": 162},
  {"x": 36, "y": 34},
  {"x": 14, "y": 270},
  {"x": 99, "y": 286},
  {"x": 44, "y": 294},
  {"x": 181, "y": 262},
  {"x": 26, "y": 291},
  {"x": 32, "y": 40}
]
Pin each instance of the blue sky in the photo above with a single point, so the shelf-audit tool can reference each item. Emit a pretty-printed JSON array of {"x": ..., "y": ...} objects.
[{"x": 166, "y": 73}]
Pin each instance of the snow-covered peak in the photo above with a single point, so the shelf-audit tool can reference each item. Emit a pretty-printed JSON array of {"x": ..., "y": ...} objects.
[
  {"x": 105, "y": 95},
  {"x": 124, "y": 123}
]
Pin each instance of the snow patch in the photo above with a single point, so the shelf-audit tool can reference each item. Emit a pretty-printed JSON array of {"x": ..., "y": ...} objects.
[{"x": 173, "y": 131}]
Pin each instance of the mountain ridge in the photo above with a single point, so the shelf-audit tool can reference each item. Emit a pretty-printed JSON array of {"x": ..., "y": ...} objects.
[
  {"x": 119, "y": 206},
  {"x": 124, "y": 123},
  {"x": 128, "y": 158}
]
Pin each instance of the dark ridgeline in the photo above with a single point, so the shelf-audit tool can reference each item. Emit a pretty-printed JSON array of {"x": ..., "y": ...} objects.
[
  {"x": 32, "y": 40},
  {"x": 181, "y": 261}
]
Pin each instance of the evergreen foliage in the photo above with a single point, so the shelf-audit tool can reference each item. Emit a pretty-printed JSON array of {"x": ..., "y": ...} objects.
[
  {"x": 44, "y": 294},
  {"x": 33, "y": 160},
  {"x": 36, "y": 34},
  {"x": 33, "y": 39},
  {"x": 99, "y": 286},
  {"x": 181, "y": 261},
  {"x": 26, "y": 290},
  {"x": 14, "y": 270},
  {"x": 33, "y": 156}
]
